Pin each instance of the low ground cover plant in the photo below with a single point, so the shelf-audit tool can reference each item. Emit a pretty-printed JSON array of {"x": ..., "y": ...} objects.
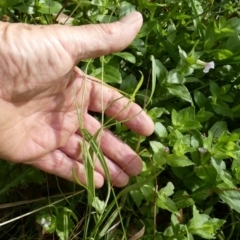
[{"x": 183, "y": 68}]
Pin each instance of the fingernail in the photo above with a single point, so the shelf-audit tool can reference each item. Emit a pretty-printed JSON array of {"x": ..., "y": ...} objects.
[{"x": 131, "y": 18}]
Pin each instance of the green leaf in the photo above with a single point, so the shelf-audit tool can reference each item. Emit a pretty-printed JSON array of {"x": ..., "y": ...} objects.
[
  {"x": 180, "y": 91},
  {"x": 167, "y": 190},
  {"x": 156, "y": 112},
  {"x": 182, "y": 199},
  {"x": 235, "y": 24},
  {"x": 229, "y": 195},
  {"x": 196, "y": 139},
  {"x": 26, "y": 7},
  {"x": 200, "y": 99},
  {"x": 203, "y": 116},
  {"x": 175, "y": 78},
  {"x": 167, "y": 203},
  {"x": 108, "y": 74},
  {"x": 160, "y": 71},
  {"x": 233, "y": 43},
  {"x": 137, "y": 196},
  {"x": 218, "y": 129},
  {"x": 207, "y": 173},
  {"x": 215, "y": 33},
  {"x": 159, "y": 158},
  {"x": 203, "y": 226},
  {"x": 236, "y": 168},
  {"x": 9, "y": 3},
  {"x": 156, "y": 146},
  {"x": 48, "y": 7},
  {"x": 64, "y": 223},
  {"x": 148, "y": 192},
  {"x": 178, "y": 161},
  {"x": 147, "y": 28},
  {"x": 214, "y": 88},
  {"x": 189, "y": 125},
  {"x": 183, "y": 66},
  {"x": 160, "y": 130},
  {"x": 222, "y": 108},
  {"x": 175, "y": 117},
  {"x": 126, "y": 8},
  {"x": 129, "y": 84},
  {"x": 126, "y": 56}
]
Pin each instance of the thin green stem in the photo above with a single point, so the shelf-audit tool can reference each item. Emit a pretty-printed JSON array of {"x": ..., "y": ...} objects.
[{"x": 232, "y": 226}]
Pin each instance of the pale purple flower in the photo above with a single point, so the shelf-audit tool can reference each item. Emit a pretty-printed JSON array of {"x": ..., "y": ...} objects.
[
  {"x": 207, "y": 65},
  {"x": 45, "y": 223}
]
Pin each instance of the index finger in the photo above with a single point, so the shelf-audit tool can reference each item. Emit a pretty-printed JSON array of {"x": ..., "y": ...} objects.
[{"x": 114, "y": 104}]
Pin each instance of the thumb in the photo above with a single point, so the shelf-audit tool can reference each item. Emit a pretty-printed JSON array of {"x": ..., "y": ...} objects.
[{"x": 94, "y": 40}]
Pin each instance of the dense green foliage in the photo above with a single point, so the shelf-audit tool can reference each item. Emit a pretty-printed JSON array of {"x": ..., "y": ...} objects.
[{"x": 189, "y": 186}]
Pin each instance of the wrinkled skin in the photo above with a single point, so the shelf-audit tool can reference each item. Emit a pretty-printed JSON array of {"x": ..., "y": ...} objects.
[{"x": 38, "y": 78}]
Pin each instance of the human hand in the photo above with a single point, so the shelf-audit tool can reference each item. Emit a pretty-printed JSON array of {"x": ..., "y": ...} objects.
[{"x": 38, "y": 121}]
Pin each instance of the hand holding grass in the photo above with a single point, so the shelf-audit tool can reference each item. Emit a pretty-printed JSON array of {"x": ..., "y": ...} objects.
[{"x": 39, "y": 121}]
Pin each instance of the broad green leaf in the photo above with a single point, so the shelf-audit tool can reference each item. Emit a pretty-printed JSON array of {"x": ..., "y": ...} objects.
[
  {"x": 148, "y": 192},
  {"x": 182, "y": 146},
  {"x": 167, "y": 190},
  {"x": 175, "y": 78},
  {"x": 200, "y": 99},
  {"x": 214, "y": 34},
  {"x": 218, "y": 129},
  {"x": 214, "y": 88},
  {"x": 156, "y": 146},
  {"x": 126, "y": 8},
  {"x": 229, "y": 195},
  {"x": 174, "y": 116},
  {"x": 137, "y": 196},
  {"x": 225, "y": 150},
  {"x": 180, "y": 91},
  {"x": 160, "y": 71},
  {"x": 156, "y": 112},
  {"x": 186, "y": 114},
  {"x": 99, "y": 3},
  {"x": 126, "y": 56},
  {"x": 26, "y": 7},
  {"x": 147, "y": 28},
  {"x": 203, "y": 116},
  {"x": 182, "y": 199},
  {"x": 106, "y": 18},
  {"x": 139, "y": 45},
  {"x": 196, "y": 139},
  {"x": 223, "y": 110},
  {"x": 182, "y": 172},
  {"x": 235, "y": 24},
  {"x": 178, "y": 161},
  {"x": 207, "y": 173},
  {"x": 129, "y": 84},
  {"x": 9, "y": 3},
  {"x": 108, "y": 74},
  {"x": 48, "y": 7},
  {"x": 184, "y": 68},
  {"x": 233, "y": 43},
  {"x": 160, "y": 130},
  {"x": 189, "y": 125},
  {"x": 236, "y": 168},
  {"x": 203, "y": 225},
  {"x": 167, "y": 203},
  {"x": 160, "y": 158}
]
